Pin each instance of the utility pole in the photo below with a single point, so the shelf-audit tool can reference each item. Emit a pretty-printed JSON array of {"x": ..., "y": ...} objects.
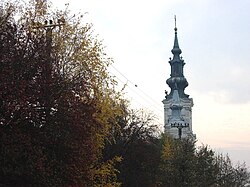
[{"x": 47, "y": 67}]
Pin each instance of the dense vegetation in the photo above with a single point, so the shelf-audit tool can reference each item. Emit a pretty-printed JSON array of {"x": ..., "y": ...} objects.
[{"x": 63, "y": 122}]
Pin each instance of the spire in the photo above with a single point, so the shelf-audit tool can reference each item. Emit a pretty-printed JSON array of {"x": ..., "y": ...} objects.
[
  {"x": 176, "y": 49},
  {"x": 177, "y": 79}
]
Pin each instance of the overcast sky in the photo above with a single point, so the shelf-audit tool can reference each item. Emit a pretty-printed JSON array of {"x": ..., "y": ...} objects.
[{"x": 214, "y": 36}]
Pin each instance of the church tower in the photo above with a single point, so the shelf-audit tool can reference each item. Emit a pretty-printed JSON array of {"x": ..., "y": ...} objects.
[{"x": 177, "y": 104}]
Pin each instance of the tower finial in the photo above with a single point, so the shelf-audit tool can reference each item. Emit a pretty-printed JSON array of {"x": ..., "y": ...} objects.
[{"x": 175, "y": 28}]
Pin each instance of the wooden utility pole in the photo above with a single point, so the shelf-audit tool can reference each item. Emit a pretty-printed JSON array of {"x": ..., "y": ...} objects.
[{"x": 47, "y": 67}]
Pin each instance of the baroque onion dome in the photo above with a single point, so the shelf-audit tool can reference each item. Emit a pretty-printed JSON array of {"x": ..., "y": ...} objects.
[{"x": 177, "y": 79}]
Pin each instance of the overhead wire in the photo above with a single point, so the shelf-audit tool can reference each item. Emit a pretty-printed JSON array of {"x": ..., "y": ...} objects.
[
  {"x": 131, "y": 85},
  {"x": 134, "y": 91},
  {"x": 149, "y": 99}
]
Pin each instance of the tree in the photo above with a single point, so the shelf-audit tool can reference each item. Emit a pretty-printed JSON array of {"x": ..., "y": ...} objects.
[
  {"x": 177, "y": 162},
  {"x": 228, "y": 174},
  {"x": 184, "y": 164},
  {"x": 206, "y": 167},
  {"x": 57, "y": 101},
  {"x": 135, "y": 141}
]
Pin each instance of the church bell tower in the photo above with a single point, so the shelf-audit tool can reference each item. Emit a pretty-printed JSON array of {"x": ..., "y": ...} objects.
[{"x": 177, "y": 104}]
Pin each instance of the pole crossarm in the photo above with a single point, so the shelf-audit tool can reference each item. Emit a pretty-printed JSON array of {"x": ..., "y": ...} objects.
[{"x": 50, "y": 24}]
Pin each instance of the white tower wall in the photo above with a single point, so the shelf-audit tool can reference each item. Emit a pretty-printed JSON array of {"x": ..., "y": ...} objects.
[{"x": 186, "y": 113}]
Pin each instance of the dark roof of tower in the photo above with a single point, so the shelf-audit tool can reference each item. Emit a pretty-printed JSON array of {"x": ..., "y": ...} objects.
[
  {"x": 177, "y": 79},
  {"x": 176, "y": 49}
]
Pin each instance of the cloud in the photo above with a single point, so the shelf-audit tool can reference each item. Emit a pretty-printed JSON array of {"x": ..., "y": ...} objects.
[{"x": 229, "y": 84}]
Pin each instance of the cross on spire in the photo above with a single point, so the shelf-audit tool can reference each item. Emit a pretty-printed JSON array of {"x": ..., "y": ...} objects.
[
  {"x": 175, "y": 20},
  {"x": 175, "y": 28}
]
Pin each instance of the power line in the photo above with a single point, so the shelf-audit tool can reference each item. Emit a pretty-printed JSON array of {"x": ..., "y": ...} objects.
[
  {"x": 134, "y": 91},
  {"x": 149, "y": 99},
  {"x": 152, "y": 104}
]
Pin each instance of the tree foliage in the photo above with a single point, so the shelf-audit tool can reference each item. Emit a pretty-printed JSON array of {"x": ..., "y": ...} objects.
[
  {"x": 135, "y": 141},
  {"x": 57, "y": 101},
  {"x": 184, "y": 164},
  {"x": 176, "y": 168}
]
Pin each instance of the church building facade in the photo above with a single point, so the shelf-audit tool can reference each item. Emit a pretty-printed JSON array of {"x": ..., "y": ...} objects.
[{"x": 177, "y": 104}]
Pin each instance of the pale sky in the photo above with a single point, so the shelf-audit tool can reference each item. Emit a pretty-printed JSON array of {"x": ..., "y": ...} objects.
[{"x": 214, "y": 36}]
